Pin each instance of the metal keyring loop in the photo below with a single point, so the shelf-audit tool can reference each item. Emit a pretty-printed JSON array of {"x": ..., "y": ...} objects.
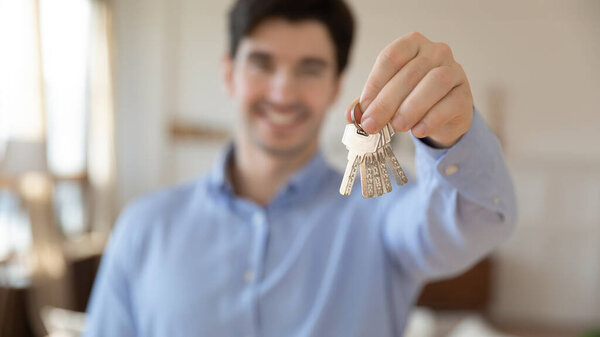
[{"x": 358, "y": 127}]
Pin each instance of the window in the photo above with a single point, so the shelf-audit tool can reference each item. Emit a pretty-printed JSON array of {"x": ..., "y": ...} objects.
[{"x": 45, "y": 70}]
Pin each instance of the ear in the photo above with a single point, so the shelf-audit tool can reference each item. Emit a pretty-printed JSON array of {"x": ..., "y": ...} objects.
[{"x": 227, "y": 72}]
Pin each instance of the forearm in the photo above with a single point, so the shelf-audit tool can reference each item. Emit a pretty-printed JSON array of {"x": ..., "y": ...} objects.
[{"x": 462, "y": 206}]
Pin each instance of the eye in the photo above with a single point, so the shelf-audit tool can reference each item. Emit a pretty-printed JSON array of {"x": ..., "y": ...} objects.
[
  {"x": 261, "y": 64},
  {"x": 310, "y": 71}
]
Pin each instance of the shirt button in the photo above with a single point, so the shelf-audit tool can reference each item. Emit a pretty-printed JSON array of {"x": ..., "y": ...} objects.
[
  {"x": 249, "y": 276},
  {"x": 451, "y": 169},
  {"x": 258, "y": 218}
]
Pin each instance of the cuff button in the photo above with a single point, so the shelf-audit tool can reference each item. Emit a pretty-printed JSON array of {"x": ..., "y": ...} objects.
[{"x": 450, "y": 170}]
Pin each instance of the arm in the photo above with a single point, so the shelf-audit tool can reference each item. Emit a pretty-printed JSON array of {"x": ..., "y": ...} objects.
[
  {"x": 463, "y": 203},
  {"x": 462, "y": 206}
]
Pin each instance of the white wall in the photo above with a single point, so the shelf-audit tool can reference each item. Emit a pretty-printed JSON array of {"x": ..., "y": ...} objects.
[{"x": 534, "y": 67}]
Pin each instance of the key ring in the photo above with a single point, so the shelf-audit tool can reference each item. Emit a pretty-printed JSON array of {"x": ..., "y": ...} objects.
[{"x": 359, "y": 129}]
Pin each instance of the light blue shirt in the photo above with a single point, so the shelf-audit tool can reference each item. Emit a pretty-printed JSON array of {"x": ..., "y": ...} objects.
[{"x": 196, "y": 260}]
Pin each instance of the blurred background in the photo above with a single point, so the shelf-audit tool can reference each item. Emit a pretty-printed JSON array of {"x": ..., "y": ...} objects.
[{"x": 104, "y": 100}]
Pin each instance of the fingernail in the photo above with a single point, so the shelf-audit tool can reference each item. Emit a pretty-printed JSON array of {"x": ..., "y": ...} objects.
[{"x": 368, "y": 124}]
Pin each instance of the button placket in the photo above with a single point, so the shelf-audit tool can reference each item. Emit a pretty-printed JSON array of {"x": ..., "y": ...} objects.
[{"x": 259, "y": 228}]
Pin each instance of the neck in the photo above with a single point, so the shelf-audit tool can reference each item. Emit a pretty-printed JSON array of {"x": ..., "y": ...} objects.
[{"x": 257, "y": 174}]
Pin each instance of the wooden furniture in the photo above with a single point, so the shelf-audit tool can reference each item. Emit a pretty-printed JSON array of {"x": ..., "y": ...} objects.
[{"x": 468, "y": 291}]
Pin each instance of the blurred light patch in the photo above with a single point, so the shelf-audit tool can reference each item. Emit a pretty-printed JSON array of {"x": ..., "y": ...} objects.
[
  {"x": 65, "y": 35},
  {"x": 21, "y": 112},
  {"x": 15, "y": 229},
  {"x": 70, "y": 208},
  {"x": 35, "y": 186}
]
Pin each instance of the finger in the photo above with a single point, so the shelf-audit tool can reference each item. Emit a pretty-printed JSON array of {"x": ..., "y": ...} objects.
[
  {"x": 433, "y": 87},
  {"x": 395, "y": 91},
  {"x": 388, "y": 63},
  {"x": 357, "y": 112},
  {"x": 442, "y": 113}
]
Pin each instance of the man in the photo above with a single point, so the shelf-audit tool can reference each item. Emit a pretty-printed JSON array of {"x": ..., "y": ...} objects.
[{"x": 264, "y": 245}]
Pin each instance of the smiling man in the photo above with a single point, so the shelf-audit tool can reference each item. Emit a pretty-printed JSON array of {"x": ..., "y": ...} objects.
[{"x": 264, "y": 245}]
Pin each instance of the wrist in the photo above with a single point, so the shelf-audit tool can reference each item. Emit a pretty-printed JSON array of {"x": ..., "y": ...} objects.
[{"x": 438, "y": 144}]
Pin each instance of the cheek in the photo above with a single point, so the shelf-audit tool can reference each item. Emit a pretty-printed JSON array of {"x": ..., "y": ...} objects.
[
  {"x": 319, "y": 97},
  {"x": 247, "y": 89}
]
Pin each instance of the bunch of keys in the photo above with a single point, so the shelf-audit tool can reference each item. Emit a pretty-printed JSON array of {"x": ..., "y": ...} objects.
[{"x": 372, "y": 153}]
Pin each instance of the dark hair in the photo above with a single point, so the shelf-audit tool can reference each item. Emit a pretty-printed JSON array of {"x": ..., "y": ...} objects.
[{"x": 246, "y": 15}]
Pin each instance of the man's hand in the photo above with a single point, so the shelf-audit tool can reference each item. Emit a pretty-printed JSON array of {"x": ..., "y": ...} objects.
[{"x": 417, "y": 85}]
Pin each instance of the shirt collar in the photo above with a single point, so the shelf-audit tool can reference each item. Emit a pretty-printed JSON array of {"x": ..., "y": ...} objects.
[
  {"x": 218, "y": 175},
  {"x": 302, "y": 182}
]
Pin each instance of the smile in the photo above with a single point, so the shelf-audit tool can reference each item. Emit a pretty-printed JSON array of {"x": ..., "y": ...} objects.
[{"x": 282, "y": 119}]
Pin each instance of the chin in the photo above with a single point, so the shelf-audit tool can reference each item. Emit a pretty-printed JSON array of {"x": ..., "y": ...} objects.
[
  {"x": 283, "y": 150},
  {"x": 289, "y": 145}
]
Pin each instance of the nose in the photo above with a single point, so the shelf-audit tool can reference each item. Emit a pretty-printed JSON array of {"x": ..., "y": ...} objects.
[{"x": 283, "y": 89}]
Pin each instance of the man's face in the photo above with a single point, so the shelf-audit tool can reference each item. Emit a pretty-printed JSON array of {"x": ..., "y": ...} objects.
[{"x": 283, "y": 79}]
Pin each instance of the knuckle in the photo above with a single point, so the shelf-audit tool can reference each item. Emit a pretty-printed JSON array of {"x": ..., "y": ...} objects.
[
  {"x": 389, "y": 55},
  {"x": 378, "y": 107},
  {"x": 443, "y": 76},
  {"x": 414, "y": 107},
  {"x": 371, "y": 90},
  {"x": 415, "y": 73},
  {"x": 413, "y": 76},
  {"x": 401, "y": 124},
  {"x": 466, "y": 95},
  {"x": 443, "y": 50},
  {"x": 415, "y": 36}
]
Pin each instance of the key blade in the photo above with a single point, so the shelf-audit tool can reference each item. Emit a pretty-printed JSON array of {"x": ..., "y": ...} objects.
[
  {"x": 390, "y": 129},
  {"x": 366, "y": 180},
  {"x": 387, "y": 137},
  {"x": 373, "y": 164},
  {"x": 350, "y": 174},
  {"x": 394, "y": 165},
  {"x": 385, "y": 179}
]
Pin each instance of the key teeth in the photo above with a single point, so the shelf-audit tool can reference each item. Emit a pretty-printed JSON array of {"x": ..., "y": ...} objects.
[
  {"x": 365, "y": 183},
  {"x": 386, "y": 184},
  {"x": 350, "y": 175},
  {"x": 395, "y": 167}
]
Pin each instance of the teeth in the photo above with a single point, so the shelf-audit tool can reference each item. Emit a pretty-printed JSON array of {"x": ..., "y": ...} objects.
[{"x": 282, "y": 119}]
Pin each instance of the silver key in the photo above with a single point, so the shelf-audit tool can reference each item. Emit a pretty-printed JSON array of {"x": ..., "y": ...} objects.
[
  {"x": 372, "y": 185},
  {"x": 371, "y": 153},
  {"x": 389, "y": 157},
  {"x": 366, "y": 177},
  {"x": 358, "y": 144},
  {"x": 374, "y": 176},
  {"x": 379, "y": 160},
  {"x": 385, "y": 179},
  {"x": 350, "y": 174},
  {"x": 394, "y": 165}
]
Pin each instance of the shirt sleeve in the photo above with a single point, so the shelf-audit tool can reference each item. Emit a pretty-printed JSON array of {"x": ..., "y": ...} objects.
[
  {"x": 461, "y": 206},
  {"x": 109, "y": 311}
]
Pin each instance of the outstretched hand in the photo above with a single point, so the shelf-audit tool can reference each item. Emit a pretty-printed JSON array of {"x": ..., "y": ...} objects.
[{"x": 417, "y": 85}]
